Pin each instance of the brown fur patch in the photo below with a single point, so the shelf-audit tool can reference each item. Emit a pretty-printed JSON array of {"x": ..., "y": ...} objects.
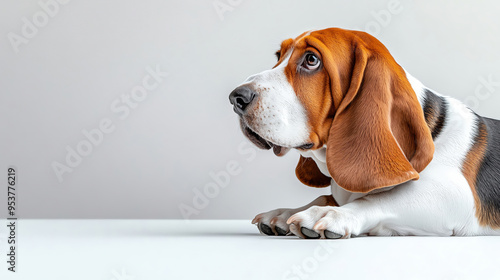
[
  {"x": 309, "y": 174},
  {"x": 327, "y": 200}
]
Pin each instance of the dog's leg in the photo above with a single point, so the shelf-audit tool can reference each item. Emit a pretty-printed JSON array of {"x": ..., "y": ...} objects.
[
  {"x": 274, "y": 222},
  {"x": 415, "y": 208}
]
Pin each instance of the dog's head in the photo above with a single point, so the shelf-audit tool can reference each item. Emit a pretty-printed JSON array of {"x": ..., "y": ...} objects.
[{"x": 341, "y": 89}]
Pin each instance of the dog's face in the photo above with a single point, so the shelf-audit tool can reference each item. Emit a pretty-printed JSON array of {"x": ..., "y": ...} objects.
[
  {"x": 276, "y": 105},
  {"x": 341, "y": 89}
]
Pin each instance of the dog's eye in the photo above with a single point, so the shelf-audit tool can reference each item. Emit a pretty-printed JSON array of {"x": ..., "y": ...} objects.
[{"x": 311, "y": 62}]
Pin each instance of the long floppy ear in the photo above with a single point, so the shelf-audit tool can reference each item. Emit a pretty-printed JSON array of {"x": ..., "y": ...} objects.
[
  {"x": 379, "y": 136},
  {"x": 308, "y": 173}
]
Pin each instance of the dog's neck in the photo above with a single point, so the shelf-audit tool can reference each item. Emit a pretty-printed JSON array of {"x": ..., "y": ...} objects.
[
  {"x": 433, "y": 104},
  {"x": 341, "y": 195}
]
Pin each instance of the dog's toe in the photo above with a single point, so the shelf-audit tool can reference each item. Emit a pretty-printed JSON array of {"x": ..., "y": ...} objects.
[
  {"x": 266, "y": 229},
  {"x": 309, "y": 233},
  {"x": 332, "y": 235},
  {"x": 274, "y": 222},
  {"x": 280, "y": 231}
]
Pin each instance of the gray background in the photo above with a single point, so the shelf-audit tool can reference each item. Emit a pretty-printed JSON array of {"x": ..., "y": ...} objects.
[{"x": 65, "y": 78}]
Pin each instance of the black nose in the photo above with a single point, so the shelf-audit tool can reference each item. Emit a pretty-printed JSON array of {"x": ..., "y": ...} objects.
[{"x": 241, "y": 97}]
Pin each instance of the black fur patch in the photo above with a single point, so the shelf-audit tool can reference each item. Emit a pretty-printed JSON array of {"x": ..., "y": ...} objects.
[
  {"x": 435, "y": 109},
  {"x": 488, "y": 177}
]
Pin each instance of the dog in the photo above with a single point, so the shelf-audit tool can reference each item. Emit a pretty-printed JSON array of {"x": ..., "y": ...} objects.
[{"x": 400, "y": 158}]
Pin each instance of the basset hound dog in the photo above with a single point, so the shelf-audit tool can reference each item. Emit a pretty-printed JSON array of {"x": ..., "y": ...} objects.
[{"x": 400, "y": 158}]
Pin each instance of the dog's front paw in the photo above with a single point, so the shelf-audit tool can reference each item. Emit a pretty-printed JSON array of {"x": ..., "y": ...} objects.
[
  {"x": 274, "y": 222},
  {"x": 324, "y": 222}
]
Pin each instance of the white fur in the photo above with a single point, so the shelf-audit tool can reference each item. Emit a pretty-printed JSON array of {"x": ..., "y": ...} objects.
[{"x": 282, "y": 118}]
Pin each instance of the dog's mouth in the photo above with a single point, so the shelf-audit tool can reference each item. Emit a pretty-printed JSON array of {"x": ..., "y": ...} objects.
[{"x": 263, "y": 143}]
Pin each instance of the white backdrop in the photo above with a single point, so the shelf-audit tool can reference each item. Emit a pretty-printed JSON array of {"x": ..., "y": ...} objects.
[{"x": 153, "y": 77}]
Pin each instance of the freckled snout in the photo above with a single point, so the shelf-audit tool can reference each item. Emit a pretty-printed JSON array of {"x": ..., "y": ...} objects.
[{"x": 241, "y": 97}]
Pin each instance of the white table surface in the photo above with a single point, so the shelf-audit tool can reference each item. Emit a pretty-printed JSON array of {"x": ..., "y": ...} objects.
[{"x": 233, "y": 249}]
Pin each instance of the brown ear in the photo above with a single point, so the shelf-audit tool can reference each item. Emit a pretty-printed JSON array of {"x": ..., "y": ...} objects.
[
  {"x": 378, "y": 136},
  {"x": 308, "y": 173}
]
